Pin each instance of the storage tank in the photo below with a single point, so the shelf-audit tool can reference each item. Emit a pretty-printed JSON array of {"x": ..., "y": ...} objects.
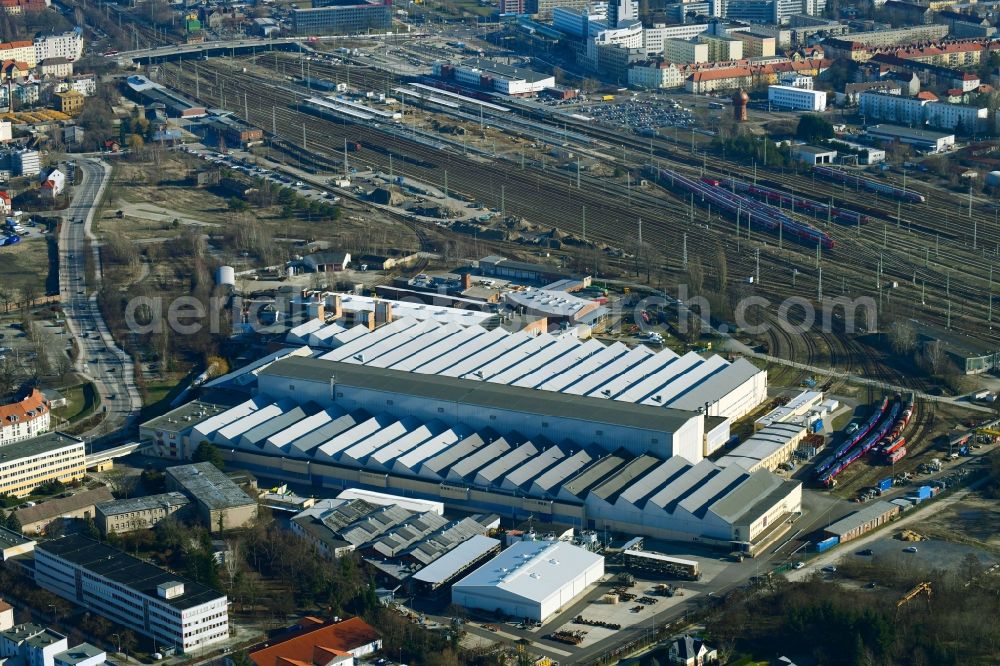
[
  {"x": 993, "y": 179},
  {"x": 225, "y": 275}
]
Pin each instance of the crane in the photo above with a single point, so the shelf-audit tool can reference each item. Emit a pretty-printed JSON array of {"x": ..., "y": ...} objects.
[{"x": 914, "y": 593}]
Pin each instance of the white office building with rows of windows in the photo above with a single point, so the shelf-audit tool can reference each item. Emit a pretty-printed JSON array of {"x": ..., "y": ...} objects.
[{"x": 174, "y": 612}]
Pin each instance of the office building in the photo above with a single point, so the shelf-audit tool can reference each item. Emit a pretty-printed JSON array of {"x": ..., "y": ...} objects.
[
  {"x": 139, "y": 513},
  {"x": 27, "y": 464},
  {"x": 347, "y": 17},
  {"x": 175, "y": 612},
  {"x": 796, "y": 99}
]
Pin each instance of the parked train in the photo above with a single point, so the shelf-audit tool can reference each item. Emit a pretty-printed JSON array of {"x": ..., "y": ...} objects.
[
  {"x": 755, "y": 213},
  {"x": 796, "y": 203},
  {"x": 829, "y": 478},
  {"x": 895, "y": 440},
  {"x": 854, "y": 439},
  {"x": 896, "y": 456},
  {"x": 851, "y": 179}
]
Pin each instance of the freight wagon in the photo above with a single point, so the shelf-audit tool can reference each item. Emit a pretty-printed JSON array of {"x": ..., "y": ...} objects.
[
  {"x": 756, "y": 214},
  {"x": 853, "y": 180}
]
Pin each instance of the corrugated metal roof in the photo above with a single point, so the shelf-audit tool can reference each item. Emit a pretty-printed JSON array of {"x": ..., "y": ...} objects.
[
  {"x": 534, "y": 467},
  {"x": 624, "y": 477},
  {"x": 281, "y": 440},
  {"x": 484, "y": 455},
  {"x": 555, "y": 476},
  {"x": 594, "y": 474},
  {"x": 718, "y": 386},
  {"x": 437, "y": 465},
  {"x": 683, "y": 485},
  {"x": 872, "y": 512},
  {"x": 492, "y": 473},
  {"x": 654, "y": 480},
  {"x": 456, "y": 560}
]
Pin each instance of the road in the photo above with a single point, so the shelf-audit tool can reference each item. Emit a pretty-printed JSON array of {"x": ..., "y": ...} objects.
[{"x": 99, "y": 359}]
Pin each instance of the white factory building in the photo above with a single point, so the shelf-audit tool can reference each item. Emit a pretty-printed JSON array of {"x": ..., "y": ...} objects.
[
  {"x": 490, "y": 441},
  {"x": 561, "y": 364},
  {"x": 796, "y": 99},
  {"x": 530, "y": 580}
]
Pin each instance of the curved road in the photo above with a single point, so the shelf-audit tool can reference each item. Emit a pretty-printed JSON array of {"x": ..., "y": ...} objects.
[{"x": 100, "y": 360}]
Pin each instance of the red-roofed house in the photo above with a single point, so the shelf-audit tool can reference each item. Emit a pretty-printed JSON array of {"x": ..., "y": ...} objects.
[
  {"x": 316, "y": 643},
  {"x": 729, "y": 78},
  {"x": 5, "y": 206},
  {"x": 927, "y": 95}
]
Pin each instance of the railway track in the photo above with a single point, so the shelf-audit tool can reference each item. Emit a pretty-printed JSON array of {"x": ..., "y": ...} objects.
[{"x": 550, "y": 198}]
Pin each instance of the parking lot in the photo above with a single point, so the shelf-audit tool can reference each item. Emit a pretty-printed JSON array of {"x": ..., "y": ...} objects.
[{"x": 641, "y": 114}]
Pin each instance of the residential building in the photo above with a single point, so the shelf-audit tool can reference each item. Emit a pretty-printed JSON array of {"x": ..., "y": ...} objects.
[
  {"x": 908, "y": 13},
  {"x": 512, "y": 7},
  {"x": 27, "y": 464},
  {"x": 796, "y": 80},
  {"x": 685, "y": 51},
  {"x": 711, "y": 80},
  {"x": 852, "y": 91},
  {"x": 313, "y": 641},
  {"x": 6, "y": 615},
  {"x": 57, "y": 67},
  {"x": 67, "y": 45},
  {"x": 20, "y": 7},
  {"x": 959, "y": 118},
  {"x": 653, "y": 38},
  {"x": 32, "y": 644},
  {"x": 756, "y": 46},
  {"x": 965, "y": 26},
  {"x": 120, "y": 516},
  {"x": 613, "y": 62},
  {"x": 880, "y": 106},
  {"x": 796, "y": 99},
  {"x": 22, "y": 51},
  {"x": 54, "y": 183},
  {"x": 76, "y": 506},
  {"x": 343, "y": 17},
  {"x": 26, "y": 162},
  {"x": 690, "y": 651},
  {"x": 655, "y": 74},
  {"x": 722, "y": 49},
  {"x": 26, "y": 418},
  {"x": 173, "y": 611},
  {"x": 221, "y": 504}
]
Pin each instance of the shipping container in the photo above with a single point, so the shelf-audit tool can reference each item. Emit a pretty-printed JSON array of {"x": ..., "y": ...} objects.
[
  {"x": 885, "y": 484},
  {"x": 817, "y": 425},
  {"x": 924, "y": 492},
  {"x": 827, "y": 544}
]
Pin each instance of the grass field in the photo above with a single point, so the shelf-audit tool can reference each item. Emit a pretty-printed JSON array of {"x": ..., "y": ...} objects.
[
  {"x": 25, "y": 265},
  {"x": 81, "y": 401}
]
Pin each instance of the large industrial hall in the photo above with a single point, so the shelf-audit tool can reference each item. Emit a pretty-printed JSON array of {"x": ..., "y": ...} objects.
[{"x": 595, "y": 436}]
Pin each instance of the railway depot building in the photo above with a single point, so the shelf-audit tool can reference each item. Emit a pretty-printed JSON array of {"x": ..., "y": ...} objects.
[
  {"x": 173, "y": 611},
  {"x": 514, "y": 424}
]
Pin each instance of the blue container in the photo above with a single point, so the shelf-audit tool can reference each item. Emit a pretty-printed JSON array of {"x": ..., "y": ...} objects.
[
  {"x": 885, "y": 484},
  {"x": 924, "y": 492},
  {"x": 827, "y": 544},
  {"x": 817, "y": 425}
]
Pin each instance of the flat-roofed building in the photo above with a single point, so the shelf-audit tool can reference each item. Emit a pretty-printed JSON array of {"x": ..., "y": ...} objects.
[
  {"x": 796, "y": 99},
  {"x": 221, "y": 504},
  {"x": 13, "y": 544},
  {"x": 926, "y": 140},
  {"x": 342, "y": 17},
  {"x": 437, "y": 576},
  {"x": 175, "y": 612},
  {"x": 530, "y": 580},
  {"x": 138, "y": 513},
  {"x": 767, "y": 448},
  {"x": 27, "y": 464}
]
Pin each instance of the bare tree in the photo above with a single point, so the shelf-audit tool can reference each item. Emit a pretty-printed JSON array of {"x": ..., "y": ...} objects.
[
  {"x": 902, "y": 337},
  {"x": 121, "y": 482}
]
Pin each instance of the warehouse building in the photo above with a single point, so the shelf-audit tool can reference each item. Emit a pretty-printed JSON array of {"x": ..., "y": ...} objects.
[
  {"x": 78, "y": 505},
  {"x": 437, "y": 577},
  {"x": 138, "y": 513},
  {"x": 767, "y": 448},
  {"x": 27, "y": 464},
  {"x": 220, "y": 502},
  {"x": 530, "y": 580},
  {"x": 925, "y": 140},
  {"x": 505, "y": 79},
  {"x": 174, "y": 612},
  {"x": 862, "y": 521}
]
